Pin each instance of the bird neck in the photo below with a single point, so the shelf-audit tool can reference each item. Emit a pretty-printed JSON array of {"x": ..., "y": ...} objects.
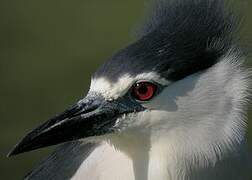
[
  {"x": 186, "y": 159},
  {"x": 177, "y": 159}
]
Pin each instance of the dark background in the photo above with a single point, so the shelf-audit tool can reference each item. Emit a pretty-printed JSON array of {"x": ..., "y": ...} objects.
[{"x": 48, "y": 51}]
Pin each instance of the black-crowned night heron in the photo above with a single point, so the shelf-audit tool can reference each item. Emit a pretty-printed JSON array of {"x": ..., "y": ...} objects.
[{"x": 168, "y": 107}]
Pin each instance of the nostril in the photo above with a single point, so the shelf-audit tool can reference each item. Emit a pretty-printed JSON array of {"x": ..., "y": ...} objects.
[
  {"x": 91, "y": 108},
  {"x": 86, "y": 108}
]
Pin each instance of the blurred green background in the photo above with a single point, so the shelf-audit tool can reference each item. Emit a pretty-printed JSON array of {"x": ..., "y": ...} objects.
[{"x": 48, "y": 51}]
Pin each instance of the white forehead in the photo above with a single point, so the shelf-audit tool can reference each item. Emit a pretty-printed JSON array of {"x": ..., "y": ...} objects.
[{"x": 112, "y": 90}]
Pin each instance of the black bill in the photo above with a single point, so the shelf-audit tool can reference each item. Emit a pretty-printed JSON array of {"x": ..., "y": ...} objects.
[{"x": 93, "y": 116}]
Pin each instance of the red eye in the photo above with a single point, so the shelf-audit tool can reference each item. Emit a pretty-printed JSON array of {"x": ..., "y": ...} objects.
[{"x": 144, "y": 91}]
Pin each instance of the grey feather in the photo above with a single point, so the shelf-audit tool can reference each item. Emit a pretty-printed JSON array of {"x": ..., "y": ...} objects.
[{"x": 66, "y": 159}]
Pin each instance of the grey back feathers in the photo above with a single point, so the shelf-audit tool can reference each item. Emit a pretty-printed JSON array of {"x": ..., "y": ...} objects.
[
  {"x": 180, "y": 37},
  {"x": 63, "y": 163}
]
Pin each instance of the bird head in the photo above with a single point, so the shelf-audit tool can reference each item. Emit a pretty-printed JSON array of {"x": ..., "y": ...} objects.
[{"x": 175, "y": 79}]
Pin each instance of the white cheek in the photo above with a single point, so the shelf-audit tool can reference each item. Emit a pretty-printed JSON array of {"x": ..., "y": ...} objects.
[
  {"x": 174, "y": 95},
  {"x": 172, "y": 106}
]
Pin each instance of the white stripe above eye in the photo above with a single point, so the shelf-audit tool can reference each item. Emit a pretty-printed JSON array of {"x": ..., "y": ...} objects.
[{"x": 113, "y": 90}]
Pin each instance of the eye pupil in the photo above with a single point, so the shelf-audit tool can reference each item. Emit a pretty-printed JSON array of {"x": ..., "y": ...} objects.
[{"x": 144, "y": 91}]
